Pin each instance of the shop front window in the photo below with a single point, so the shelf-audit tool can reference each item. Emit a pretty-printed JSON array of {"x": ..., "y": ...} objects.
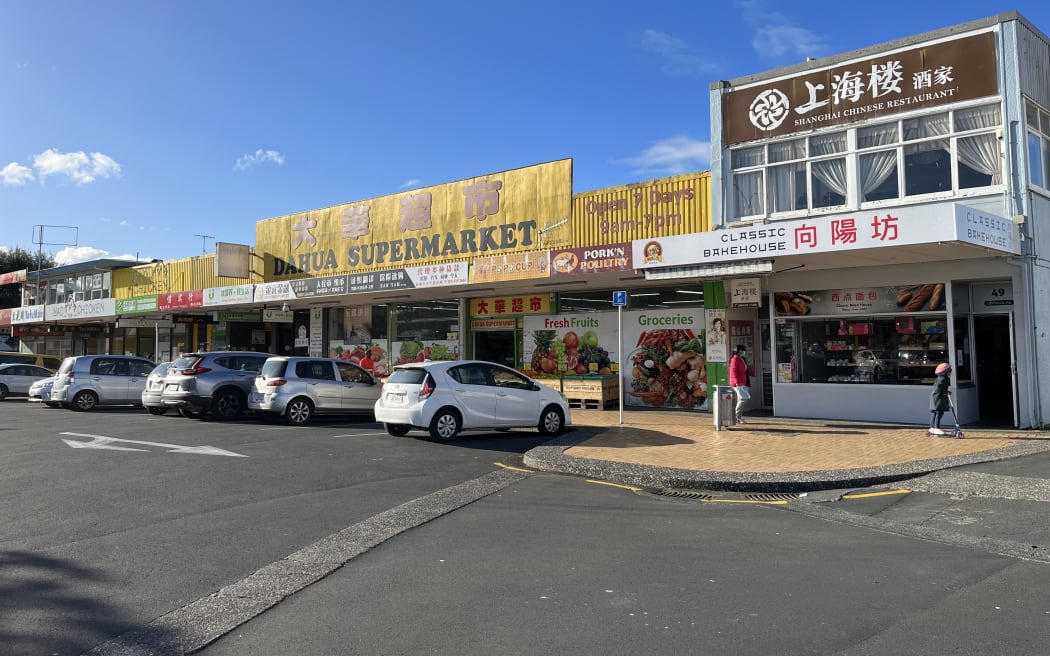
[
  {"x": 425, "y": 330},
  {"x": 901, "y": 350}
]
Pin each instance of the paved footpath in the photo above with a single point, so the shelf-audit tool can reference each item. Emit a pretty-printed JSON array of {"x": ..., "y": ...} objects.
[{"x": 683, "y": 450}]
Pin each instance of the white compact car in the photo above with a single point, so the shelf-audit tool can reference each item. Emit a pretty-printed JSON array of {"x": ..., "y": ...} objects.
[{"x": 445, "y": 397}]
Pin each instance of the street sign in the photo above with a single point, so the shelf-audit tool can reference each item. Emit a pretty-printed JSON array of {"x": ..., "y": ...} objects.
[{"x": 620, "y": 298}]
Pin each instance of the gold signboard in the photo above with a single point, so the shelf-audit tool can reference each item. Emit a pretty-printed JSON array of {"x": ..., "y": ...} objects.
[
  {"x": 524, "y": 209},
  {"x": 514, "y": 266},
  {"x": 927, "y": 76}
]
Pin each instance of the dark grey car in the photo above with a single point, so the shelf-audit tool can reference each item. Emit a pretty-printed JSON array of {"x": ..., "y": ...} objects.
[{"x": 213, "y": 383}]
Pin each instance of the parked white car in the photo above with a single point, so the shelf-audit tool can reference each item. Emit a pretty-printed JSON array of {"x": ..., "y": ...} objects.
[
  {"x": 40, "y": 392},
  {"x": 15, "y": 379},
  {"x": 446, "y": 397}
]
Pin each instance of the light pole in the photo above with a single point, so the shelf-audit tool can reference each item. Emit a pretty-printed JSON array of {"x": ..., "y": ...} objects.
[{"x": 204, "y": 240}]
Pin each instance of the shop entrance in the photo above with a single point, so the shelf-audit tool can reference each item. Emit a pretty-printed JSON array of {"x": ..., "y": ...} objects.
[
  {"x": 993, "y": 352},
  {"x": 495, "y": 346}
]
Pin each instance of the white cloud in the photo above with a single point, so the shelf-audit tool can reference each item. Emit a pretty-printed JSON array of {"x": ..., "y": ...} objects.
[
  {"x": 410, "y": 183},
  {"x": 77, "y": 254},
  {"x": 79, "y": 167},
  {"x": 260, "y": 156},
  {"x": 672, "y": 156},
  {"x": 776, "y": 36},
  {"x": 679, "y": 57},
  {"x": 15, "y": 175}
]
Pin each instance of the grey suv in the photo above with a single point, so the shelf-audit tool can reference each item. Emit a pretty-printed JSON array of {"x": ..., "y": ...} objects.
[
  {"x": 297, "y": 388},
  {"x": 84, "y": 382},
  {"x": 215, "y": 383}
]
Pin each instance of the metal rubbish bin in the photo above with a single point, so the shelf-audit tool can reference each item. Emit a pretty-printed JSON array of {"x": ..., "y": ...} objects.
[{"x": 725, "y": 406}]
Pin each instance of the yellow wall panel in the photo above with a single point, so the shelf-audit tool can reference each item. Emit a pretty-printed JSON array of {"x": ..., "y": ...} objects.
[
  {"x": 655, "y": 208},
  {"x": 183, "y": 275}
]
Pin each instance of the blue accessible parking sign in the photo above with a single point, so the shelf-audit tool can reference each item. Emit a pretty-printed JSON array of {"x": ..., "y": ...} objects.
[{"x": 620, "y": 298}]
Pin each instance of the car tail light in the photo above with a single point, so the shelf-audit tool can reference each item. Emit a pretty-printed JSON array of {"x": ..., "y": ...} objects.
[
  {"x": 195, "y": 369},
  {"x": 276, "y": 382},
  {"x": 427, "y": 389}
]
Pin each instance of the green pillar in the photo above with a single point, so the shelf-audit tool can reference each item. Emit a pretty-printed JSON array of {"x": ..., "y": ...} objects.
[{"x": 715, "y": 299}]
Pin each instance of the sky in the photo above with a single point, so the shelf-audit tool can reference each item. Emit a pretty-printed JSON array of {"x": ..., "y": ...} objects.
[{"x": 144, "y": 130}]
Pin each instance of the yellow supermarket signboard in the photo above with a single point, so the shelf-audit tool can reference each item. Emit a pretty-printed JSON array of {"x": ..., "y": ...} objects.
[{"x": 523, "y": 209}]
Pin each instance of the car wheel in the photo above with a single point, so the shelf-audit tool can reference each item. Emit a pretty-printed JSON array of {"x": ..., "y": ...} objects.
[
  {"x": 156, "y": 410},
  {"x": 227, "y": 405},
  {"x": 3, "y": 392},
  {"x": 398, "y": 430},
  {"x": 298, "y": 412},
  {"x": 85, "y": 401},
  {"x": 190, "y": 414},
  {"x": 551, "y": 421},
  {"x": 444, "y": 426}
]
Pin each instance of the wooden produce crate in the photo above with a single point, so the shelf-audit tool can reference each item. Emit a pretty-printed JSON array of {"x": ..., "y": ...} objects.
[
  {"x": 553, "y": 383},
  {"x": 594, "y": 392}
]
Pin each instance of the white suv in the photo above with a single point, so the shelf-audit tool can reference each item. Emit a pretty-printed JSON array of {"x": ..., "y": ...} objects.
[{"x": 449, "y": 396}]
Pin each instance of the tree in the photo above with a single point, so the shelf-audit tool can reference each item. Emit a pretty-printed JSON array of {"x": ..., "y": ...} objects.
[{"x": 15, "y": 260}]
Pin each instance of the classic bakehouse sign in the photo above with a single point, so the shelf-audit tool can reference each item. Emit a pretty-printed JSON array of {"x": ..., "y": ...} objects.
[{"x": 927, "y": 76}]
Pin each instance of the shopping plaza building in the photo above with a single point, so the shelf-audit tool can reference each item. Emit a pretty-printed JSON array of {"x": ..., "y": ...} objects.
[{"x": 866, "y": 217}]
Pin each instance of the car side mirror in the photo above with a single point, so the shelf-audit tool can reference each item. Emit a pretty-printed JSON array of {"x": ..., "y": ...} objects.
[{"x": 535, "y": 387}]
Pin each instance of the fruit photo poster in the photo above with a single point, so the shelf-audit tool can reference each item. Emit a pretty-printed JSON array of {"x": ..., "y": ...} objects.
[
  {"x": 570, "y": 345},
  {"x": 664, "y": 362}
]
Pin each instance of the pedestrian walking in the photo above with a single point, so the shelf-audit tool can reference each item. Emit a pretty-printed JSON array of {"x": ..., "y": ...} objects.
[
  {"x": 740, "y": 380},
  {"x": 939, "y": 401}
]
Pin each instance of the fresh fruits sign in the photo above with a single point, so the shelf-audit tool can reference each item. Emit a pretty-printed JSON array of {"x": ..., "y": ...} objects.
[{"x": 570, "y": 345}]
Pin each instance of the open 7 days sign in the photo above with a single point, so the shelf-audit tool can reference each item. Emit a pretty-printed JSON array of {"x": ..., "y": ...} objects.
[{"x": 899, "y": 226}]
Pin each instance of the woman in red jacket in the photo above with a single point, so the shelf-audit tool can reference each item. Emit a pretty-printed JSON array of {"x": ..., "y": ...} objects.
[{"x": 740, "y": 380}]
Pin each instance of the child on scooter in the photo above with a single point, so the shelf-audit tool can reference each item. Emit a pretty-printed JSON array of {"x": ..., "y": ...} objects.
[{"x": 939, "y": 401}]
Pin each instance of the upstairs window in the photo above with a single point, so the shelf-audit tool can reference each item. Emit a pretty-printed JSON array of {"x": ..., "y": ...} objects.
[
  {"x": 929, "y": 155},
  {"x": 1038, "y": 121}
]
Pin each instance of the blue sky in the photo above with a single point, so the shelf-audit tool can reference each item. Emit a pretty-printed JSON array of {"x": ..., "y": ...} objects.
[{"x": 144, "y": 124}]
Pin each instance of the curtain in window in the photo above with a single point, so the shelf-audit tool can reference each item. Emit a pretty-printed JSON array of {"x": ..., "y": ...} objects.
[
  {"x": 784, "y": 192},
  {"x": 747, "y": 194},
  {"x": 980, "y": 152},
  {"x": 876, "y": 167},
  {"x": 832, "y": 172}
]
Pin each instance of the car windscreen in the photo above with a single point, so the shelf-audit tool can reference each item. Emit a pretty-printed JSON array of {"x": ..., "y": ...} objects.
[
  {"x": 273, "y": 368},
  {"x": 409, "y": 375}
]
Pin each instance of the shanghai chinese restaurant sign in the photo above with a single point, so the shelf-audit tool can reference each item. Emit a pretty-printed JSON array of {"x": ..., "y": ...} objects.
[{"x": 927, "y": 76}]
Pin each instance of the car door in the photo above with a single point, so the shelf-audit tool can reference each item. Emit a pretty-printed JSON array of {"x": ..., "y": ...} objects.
[
  {"x": 322, "y": 384},
  {"x": 360, "y": 391},
  {"x": 109, "y": 379},
  {"x": 516, "y": 403},
  {"x": 16, "y": 379},
  {"x": 138, "y": 374},
  {"x": 475, "y": 397}
]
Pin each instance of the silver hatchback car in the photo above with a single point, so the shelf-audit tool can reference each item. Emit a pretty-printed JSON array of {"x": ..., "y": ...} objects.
[
  {"x": 297, "y": 388},
  {"x": 84, "y": 382}
]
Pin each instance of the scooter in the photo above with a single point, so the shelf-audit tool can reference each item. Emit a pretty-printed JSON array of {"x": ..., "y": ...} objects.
[{"x": 956, "y": 432}]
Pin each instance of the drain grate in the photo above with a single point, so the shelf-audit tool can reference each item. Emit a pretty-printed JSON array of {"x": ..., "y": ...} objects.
[
  {"x": 772, "y": 497},
  {"x": 683, "y": 494}
]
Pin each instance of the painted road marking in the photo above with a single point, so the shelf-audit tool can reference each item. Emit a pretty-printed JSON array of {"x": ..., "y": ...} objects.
[
  {"x": 866, "y": 495},
  {"x": 104, "y": 442},
  {"x": 625, "y": 487},
  {"x": 519, "y": 469},
  {"x": 761, "y": 503}
]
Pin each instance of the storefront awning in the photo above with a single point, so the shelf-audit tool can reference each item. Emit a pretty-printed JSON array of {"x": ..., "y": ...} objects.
[{"x": 713, "y": 271}]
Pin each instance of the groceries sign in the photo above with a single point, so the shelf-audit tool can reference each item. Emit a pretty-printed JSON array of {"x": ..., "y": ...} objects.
[{"x": 927, "y": 76}]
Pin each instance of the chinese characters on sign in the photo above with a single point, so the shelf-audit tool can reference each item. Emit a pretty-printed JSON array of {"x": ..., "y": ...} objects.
[
  {"x": 745, "y": 292},
  {"x": 926, "y": 76},
  {"x": 505, "y": 305}
]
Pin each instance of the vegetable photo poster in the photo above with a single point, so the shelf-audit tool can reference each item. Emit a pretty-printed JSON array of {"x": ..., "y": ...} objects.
[{"x": 665, "y": 364}]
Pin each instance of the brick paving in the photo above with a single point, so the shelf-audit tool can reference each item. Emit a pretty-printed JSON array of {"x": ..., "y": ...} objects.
[{"x": 688, "y": 440}]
